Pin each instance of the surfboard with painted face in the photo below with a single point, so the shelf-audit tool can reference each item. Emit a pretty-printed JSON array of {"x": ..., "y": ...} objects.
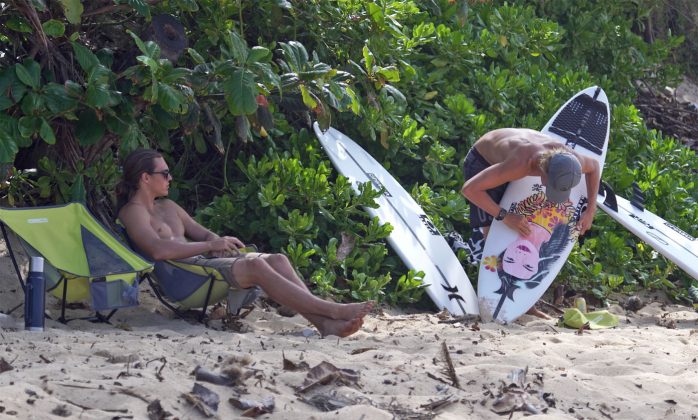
[{"x": 515, "y": 270}]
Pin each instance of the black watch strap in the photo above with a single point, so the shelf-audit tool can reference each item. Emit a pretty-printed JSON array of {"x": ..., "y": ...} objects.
[{"x": 502, "y": 214}]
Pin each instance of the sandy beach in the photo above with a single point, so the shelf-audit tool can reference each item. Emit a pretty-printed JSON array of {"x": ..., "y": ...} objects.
[{"x": 399, "y": 365}]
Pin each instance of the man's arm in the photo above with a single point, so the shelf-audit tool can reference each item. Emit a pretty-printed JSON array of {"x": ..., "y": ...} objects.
[
  {"x": 592, "y": 174},
  {"x": 475, "y": 190},
  {"x": 192, "y": 229},
  {"x": 136, "y": 220}
]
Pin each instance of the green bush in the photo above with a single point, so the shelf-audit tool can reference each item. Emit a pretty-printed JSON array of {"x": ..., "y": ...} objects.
[{"x": 415, "y": 83}]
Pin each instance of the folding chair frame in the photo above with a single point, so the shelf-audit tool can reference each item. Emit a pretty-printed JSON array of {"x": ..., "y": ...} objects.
[
  {"x": 97, "y": 317},
  {"x": 156, "y": 289}
]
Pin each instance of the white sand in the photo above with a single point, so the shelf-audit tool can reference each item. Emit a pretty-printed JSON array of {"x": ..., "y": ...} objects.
[{"x": 641, "y": 370}]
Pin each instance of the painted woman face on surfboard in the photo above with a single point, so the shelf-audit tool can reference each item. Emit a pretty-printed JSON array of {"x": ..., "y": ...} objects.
[{"x": 521, "y": 257}]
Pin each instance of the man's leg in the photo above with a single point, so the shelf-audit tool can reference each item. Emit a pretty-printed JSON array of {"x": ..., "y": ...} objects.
[
  {"x": 282, "y": 265},
  {"x": 329, "y": 317}
]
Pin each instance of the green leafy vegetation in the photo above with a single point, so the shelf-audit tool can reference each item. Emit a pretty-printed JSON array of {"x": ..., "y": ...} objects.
[{"x": 228, "y": 90}]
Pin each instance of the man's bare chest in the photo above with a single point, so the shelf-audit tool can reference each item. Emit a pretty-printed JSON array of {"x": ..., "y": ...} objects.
[{"x": 167, "y": 224}]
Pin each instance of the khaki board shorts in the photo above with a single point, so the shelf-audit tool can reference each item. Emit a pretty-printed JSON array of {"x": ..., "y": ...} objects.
[{"x": 224, "y": 265}]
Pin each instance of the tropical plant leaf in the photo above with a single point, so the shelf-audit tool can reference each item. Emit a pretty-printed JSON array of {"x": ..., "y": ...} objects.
[
  {"x": 240, "y": 93},
  {"x": 8, "y": 148},
  {"x": 198, "y": 59},
  {"x": 54, "y": 28},
  {"x": 89, "y": 130},
  {"x": 295, "y": 54},
  {"x": 141, "y": 7},
  {"x": 85, "y": 57},
  {"x": 258, "y": 54},
  {"x": 56, "y": 99},
  {"x": 149, "y": 48},
  {"x": 18, "y": 24},
  {"x": 28, "y": 125},
  {"x": 27, "y": 76},
  {"x": 46, "y": 132},
  {"x": 73, "y": 89},
  {"x": 368, "y": 59},
  {"x": 9, "y": 132},
  {"x": 268, "y": 74},
  {"x": 40, "y": 5},
  {"x": 105, "y": 57},
  {"x": 238, "y": 47},
  {"x": 97, "y": 96},
  {"x": 10, "y": 85},
  {"x": 32, "y": 103},
  {"x": 5, "y": 102},
  {"x": 175, "y": 75},
  {"x": 376, "y": 13},
  {"x": 395, "y": 93},
  {"x": 171, "y": 99},
  {"x": 308, "y": 99},
  {"x": 72, "y": 9},
  {"x": 187, "y": 5},
  {"x": 390, "y": 73},
  {"x": 133, "y": 139},
  {"x": 242, "y": 128}
]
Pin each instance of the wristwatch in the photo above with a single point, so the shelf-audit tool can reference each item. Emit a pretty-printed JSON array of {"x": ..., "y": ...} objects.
[{"x": 502, "y": 214}]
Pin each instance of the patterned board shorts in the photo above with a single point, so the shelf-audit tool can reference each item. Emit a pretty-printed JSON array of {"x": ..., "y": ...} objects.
[
  {"x": 473, "y": 164},
  {"x": 224, "y": 265}
]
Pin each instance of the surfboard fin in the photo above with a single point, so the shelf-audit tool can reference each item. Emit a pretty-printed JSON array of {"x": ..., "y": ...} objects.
[
  {"x": 638, "y": 199},
  {"x": 610, "y": 196}
]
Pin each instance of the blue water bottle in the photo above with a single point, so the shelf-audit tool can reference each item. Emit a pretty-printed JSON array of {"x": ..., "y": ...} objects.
[{"x": 34, "y": 296}]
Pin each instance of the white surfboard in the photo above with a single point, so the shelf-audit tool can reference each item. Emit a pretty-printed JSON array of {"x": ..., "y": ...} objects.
[
  {"x": 414, "y": 237},
  {"x": 667, "y": 239},
  {"x": 515, "y": 271}
]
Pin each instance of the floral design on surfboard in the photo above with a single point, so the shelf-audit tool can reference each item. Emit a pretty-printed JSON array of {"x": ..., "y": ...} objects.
[{"x": 527, "y": 259}]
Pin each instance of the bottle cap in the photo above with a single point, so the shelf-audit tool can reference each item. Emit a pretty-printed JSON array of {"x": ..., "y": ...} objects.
[{"x": 37, "y": 264}]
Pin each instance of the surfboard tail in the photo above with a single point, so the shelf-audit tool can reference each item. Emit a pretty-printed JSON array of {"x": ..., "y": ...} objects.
[{"x": 499, "y": 306}]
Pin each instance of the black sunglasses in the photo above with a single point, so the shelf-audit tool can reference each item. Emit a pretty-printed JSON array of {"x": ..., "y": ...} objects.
[{"x": 166, "y": 173}]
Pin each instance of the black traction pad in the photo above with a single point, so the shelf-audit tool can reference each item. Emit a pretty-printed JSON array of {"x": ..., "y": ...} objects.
[{"x": 583, "y": 122}]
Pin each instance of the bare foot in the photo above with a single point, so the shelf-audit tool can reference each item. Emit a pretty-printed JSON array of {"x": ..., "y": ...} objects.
[
  {"x": 535, "y": 312},
  {"x": 340, "y": 328},
  {"x": 350, "y": 311}
]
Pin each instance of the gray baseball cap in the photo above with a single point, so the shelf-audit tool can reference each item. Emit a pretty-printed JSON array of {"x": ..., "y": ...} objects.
[{"x": 564, "y": 173}]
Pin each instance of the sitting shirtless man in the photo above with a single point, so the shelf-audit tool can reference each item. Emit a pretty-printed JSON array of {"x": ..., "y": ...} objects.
[
  {"x": 162, "y": 230},
  {"x": 508, "y": 154}
]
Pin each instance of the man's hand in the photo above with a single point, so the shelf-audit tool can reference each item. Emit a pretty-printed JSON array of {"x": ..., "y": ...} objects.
[
  {"x": 226, "y": 246},
  {"x": 584, "y": 223},
  {"x": 517, "y": 223}
]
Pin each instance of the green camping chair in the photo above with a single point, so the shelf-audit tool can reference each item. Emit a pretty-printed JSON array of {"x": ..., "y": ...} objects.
[
  {"x": 190, "y": 286},
  {"x": 83, "y": 259},
  {"x": 182, "y": 286}
]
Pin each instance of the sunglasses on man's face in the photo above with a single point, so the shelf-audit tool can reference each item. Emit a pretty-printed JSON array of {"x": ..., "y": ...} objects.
[{"x": 166, "y": 173}]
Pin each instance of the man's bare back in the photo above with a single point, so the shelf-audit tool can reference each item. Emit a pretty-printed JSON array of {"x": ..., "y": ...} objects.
[{"x": 514, "y": 144}]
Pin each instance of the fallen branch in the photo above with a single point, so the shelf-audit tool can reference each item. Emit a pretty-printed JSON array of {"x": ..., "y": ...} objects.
[{"x": 449, "y": 363}]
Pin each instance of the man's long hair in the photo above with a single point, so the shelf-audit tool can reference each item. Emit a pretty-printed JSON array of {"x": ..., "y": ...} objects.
[
  {"x": 136, "y": 163},
  {"x": 544, "y": 158}
]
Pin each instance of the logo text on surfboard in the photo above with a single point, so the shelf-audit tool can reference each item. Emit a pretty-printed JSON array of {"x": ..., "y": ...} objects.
[
  {"x": 377, "y": 184},
  {"x": 429, "y": 225},
  {"x": 453, "y": 293},
  {"x": 679, "y": 231}
]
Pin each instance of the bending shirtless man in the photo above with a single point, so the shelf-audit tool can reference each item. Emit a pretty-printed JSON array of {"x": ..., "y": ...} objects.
[
  {"x": 162, "y": 230},
  {"x": 508, "y": 154}
]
